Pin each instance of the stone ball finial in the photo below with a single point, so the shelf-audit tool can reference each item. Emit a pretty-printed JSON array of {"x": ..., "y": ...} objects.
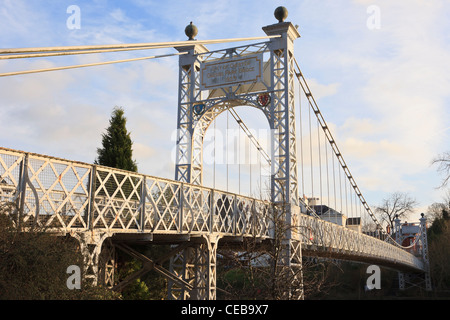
[
  {"x": 191, "y": 31},
  {"x": 281, "y": 13}
]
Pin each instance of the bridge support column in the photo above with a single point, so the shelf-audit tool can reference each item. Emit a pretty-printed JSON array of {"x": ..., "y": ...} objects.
[
  {"x": 91, "y": 244},
  {"x": 284, "y": 177},
  {"x": 426, "y": 260},
  {"x": 197, "y": 266},
  {"x": 286, "y": 232},
  {"x": 188, "y": 166},
  {"x": 418, "y": 279},
  {"x": 294, "y": 272}
]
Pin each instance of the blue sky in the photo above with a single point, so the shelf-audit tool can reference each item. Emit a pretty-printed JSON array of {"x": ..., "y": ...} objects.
[{"x": 383, "y": 91}]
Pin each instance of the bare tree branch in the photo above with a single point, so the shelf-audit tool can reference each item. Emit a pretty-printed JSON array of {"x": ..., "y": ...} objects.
[
  {"x": 397, "y": 204},
  {"x": 443, "y": 162}
]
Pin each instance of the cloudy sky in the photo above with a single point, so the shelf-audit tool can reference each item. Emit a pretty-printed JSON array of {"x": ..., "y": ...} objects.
[{"x": 378, "y": 69}]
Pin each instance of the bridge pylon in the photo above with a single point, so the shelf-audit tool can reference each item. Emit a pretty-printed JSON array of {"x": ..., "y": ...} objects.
[
  {"x": 404, "y": 234},
  {"x": 99, "y": 257},
  {"x": 261, "y": 76}
]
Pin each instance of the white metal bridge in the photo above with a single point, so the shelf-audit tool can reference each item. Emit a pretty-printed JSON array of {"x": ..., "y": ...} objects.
[{"x": 106, "y": 208}]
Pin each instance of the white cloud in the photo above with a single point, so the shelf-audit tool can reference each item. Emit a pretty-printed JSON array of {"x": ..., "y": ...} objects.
[
  {"x": 322, "y": 90},
  {"x": 118, "y": 15}
]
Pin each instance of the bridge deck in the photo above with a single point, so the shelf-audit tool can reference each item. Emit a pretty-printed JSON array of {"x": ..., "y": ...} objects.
[{"x": 68, "y": 196}]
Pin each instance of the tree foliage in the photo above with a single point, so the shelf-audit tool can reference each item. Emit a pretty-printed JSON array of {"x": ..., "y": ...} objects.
[
  {"x": 33, "y": 264},
  {"x": 117, "y": 151},
  {"x": 439, "y": 246}
]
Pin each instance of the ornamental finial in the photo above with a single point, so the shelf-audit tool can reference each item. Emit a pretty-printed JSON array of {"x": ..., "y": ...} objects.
[
  {"x": 191, "y": 31},
  {"x": 281, "y": 14}
]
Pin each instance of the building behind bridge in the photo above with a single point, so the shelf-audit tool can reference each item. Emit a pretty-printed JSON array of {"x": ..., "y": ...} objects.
[{"x": 331, "y": 215}]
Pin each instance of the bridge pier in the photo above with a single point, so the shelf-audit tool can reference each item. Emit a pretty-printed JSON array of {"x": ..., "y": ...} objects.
[
  {"x": 99, "y": 257},
  {"x": 422, "y": 279},
  {"x": 200, "y": 102},
  {"x": 293, "y": 272},
  {"x": 195, "y": 265},
  {"x": 286, "y": 233}
]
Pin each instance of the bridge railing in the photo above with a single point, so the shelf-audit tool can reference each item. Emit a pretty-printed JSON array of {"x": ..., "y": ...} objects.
[
  {"x": 64, "y": 196},
  {"x": 319, "y": 234}
]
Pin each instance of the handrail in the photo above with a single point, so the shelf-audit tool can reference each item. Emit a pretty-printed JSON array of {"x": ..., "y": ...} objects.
[{"x": 75, "y": 196}]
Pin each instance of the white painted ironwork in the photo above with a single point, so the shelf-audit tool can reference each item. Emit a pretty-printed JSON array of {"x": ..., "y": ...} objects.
[
  {"x": 93, "y": 203},
  {"x": 211, "y": 83},
  {"x": 64, "y": 190}
]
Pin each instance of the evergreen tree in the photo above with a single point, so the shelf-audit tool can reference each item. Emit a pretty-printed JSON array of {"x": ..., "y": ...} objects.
[{"x": 116, "y": 151}]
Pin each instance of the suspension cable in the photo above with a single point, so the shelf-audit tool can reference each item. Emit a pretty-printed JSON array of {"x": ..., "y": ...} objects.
[
  {"x": 332, "y": 142},
  {"x": 66, "y": 53},
  {"x": 227, "y": 142},
  {"x": 252, "y": 138},
  {"x": 88, "y": 65},
  {"x": 75, "y": 50},
  {"x": 301, "y": 140},
  {"x": 320, "y": 166},
  {"x": 148, "y": 45},
  {"x": 338, "y": 154},
  {"x": 214, "y": 154}
]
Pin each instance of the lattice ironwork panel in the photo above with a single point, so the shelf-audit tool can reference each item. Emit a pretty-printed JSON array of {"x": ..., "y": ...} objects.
[
  {"x": 10, "y": 163},
  {"x": 163, "y": 205},
  {"x": 196, "y": 208},
  {"x": 245, "y": 211},
  {"x": 58, "y": 192},
  {"x": 224, "y": 212},
  {"x": 236, "y": 51},
  {"x": 317, "y": 233},
  {"x": 262, "y": 220},
  {"x": 117, "y": 199}
]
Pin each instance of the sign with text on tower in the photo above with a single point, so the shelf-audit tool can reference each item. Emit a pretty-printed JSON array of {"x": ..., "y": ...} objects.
[{"x": 229, "y": 72}]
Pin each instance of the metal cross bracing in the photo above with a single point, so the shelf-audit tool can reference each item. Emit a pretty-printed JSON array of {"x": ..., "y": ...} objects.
[
  {"x": 279, "y": 111},
  {"x": 104, "y": 208}
]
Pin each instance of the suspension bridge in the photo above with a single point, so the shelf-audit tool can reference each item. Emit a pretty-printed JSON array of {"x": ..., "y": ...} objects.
[{"x": 308, "y": 181}]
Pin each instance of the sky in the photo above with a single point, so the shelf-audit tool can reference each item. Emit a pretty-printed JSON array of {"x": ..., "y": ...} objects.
[{"x": 378, "y": 70}]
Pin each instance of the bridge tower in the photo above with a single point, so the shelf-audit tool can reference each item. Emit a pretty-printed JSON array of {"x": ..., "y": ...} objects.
[
  {"x": 211, "y": 82},
  {"x": 418, "y": 233}
]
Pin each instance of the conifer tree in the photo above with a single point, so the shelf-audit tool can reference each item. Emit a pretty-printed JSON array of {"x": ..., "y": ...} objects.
[{"x": 116, "y": 151}]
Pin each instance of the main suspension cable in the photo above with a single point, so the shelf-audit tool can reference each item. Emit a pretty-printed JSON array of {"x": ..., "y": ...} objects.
[
  {"x": 66, "y": 53},
  {"x": 88, "y": 65},
  {"x": 148, "y": 45}
]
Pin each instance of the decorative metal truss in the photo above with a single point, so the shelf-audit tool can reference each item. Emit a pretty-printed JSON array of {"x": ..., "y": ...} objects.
[
  {"x": 93, "y": 203},
  {"x": 271, "y": 91},
  {"x": 417, "y": 234},
  {"x": 277, "y": 83}
]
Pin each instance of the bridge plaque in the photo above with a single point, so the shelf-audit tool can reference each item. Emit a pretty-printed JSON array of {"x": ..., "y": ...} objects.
[{"x": 232, "y": 71}]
